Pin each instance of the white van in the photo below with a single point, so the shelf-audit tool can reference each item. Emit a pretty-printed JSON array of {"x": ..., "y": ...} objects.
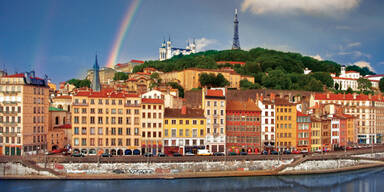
[{"x": 203, "y": 152}]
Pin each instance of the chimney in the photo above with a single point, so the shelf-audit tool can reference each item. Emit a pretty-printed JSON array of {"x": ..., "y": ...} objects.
[
  {"x": 272, "y": 97},
  {"x": 184, "y": 110}
]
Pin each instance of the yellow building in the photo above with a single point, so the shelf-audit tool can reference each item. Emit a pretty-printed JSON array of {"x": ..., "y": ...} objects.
[
  {"x": 315, "y": 134},
  {"x": 189, "y": 78},
  {"x": 106, "y": 122},
  {"x": 184, "y": 130},
  {"x": 106, "y": 75},
  {"x": 351, "y": 130},
  {"x": 285, "y": 124}
]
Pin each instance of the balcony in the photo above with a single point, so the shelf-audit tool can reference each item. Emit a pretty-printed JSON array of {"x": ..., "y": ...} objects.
[
  {"x": 14, "y": 92},
  {"x": 9, "y": 123},
  {"x": 11, "y": 102},
  {"x": 131, "y": 105},
  {"x": 9, "y": 134},
  {"x": 80, "y": 104},
  {"x": 9, "y": 112}
]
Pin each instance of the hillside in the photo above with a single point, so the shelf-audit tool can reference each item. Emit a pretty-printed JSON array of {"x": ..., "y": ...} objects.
[{"x": 284, "y": 69}]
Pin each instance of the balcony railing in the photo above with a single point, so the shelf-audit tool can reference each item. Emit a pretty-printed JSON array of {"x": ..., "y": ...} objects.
[
  {"x": 9, "y": 134},
  {"x": 11, "y": 102},
  {"x": 10, "y": 92},
  {"x": 131, "y": 105},
  {"x": 80, "y": 104}
]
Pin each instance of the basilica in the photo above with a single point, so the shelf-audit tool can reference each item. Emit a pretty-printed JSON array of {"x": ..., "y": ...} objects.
[{"x": 166, "y": 51}]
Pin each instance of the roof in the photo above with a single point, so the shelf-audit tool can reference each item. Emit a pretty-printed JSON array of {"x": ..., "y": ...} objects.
[
  {"x": 17, "y": 75},
  {"x": 300, "y": 114},
  {"x": 65, "y": 126},
  {"x": 332, "y": 96},
  {"x": 368, "y": 76},
  {"x": 231, "y": 62},
  {"x": 242, "y": 106},
  {"x": 351, "y": 72},
  {"x": 279, "y": 101},
  {"x": 191, "y": 113},
  {"x": 106, "y": 93},
  {"x": 136, "y": 61},
  {"x": 150, "y": 69},
  {"x": 63, "y": 97},
  {"x": 55, "y": 109},
  {"x": 215, "y": 93},
  {"x": 155, "y": 101}
]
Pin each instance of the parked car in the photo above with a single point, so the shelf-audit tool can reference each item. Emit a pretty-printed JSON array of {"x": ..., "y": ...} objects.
[
  {"x": 349, "y": 148},
  {"x": 243, "y": 153},
  {"x": 177, "y": 154},
  {"x": 287, "y": 152},
  {"x": 189, "y": 154},
  {"x": 161, "y": 155},
  {"x": 304, "y": 151},
  {"x": 106, "y": 155},
  {"x": 203, "y": 152},
  {"x": 318, "y": 151},
  {"x": 264, "y": 152},
  {"x": 118, "y": 171},
  {"x": 218, "y": 154},
  {"x": 77, "y": 154},
  {"x": 274, "y": 152},
  {"x": 296, "y": 152},
  {"x": 148, "y": 155},
  {"x": 232, "y": 153}
]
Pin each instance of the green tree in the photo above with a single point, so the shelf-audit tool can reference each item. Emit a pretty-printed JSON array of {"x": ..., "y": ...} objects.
[
  {"x": 277, "y": 79},
  {"x": 211, "y": 80},
  {"x": 120, "y": 76},
  {"x": 177, "y": 86},
  {"x": 364, "y": 84},
  {"x": 381, "y": 84},
  {"x": 337, "y": 86},
  {"x": 245, "y": 84},
  {"x": 80, "y": 83},
  {"x": 324, "y": 77}
]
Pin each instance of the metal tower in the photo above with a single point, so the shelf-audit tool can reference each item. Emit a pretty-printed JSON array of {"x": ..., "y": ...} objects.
[{"x": 236, "y": 42}]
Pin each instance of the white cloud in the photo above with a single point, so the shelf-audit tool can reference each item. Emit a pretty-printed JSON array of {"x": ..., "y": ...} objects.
[
  {"x": 203, "y": 42},
  {"x": 326, "y": 7},
  {"x": 364, "y": 64},
  {"x": 355, "y": 54},
  {"x": 318, "y": 57},
  {"x": 353, "y": 44}
]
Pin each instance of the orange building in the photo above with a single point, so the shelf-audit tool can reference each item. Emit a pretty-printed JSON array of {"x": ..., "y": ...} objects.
[
  {"x": 189, "y": 78},
  {"x": 286, "y": 129},
  {"x": 106, "y": 122}
]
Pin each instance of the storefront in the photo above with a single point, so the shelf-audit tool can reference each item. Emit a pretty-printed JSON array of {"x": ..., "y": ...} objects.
[{"x": 193, "y": 149}]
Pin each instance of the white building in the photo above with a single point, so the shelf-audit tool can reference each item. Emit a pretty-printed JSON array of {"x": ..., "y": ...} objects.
[
  {"x": 346, "y": 79},
  {"x": 166, "y": 51},
  {"x": 335, "y": 131},
  {"x": 267, "y": 122},
  {"x": 171, "y": 99}
]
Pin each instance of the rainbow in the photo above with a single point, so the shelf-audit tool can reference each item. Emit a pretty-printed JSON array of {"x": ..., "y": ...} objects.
[{"x": 132, "y": 8}]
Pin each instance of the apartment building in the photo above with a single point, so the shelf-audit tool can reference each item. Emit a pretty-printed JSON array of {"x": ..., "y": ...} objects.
[
  {"x": 24, "y": 103},
  {"x": 107, "y": 121}
]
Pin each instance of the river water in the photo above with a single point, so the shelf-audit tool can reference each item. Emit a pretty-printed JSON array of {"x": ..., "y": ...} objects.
[{"x": 353, "y": 181}]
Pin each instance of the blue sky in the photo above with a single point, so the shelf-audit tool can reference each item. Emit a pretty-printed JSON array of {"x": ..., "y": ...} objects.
[{"x": 60, "y": 38}]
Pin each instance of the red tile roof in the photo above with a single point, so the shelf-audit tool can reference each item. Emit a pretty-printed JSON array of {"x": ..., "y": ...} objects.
[
  {"x": 300, "y": 114},
  {"x": 231, "y": 62},
  {"x": 63, "y": 97},
  {"x": 351, "y": 72},
  {"x": 150, "y": 69},
  {"x": 368, "y": 76},
  {"x": 65, "y": 126},
  {"x": 242, "y": 106},
  {"x": 332, "y": 96},
  {"x": 106, "y": 93},
  {"x": 136, "y": 61},
  {"x": 143, "y": 73},
  {"x": 155, "y": 101},
  {"x": 18, "y": 75},
  {"x": 215, "y": 93}
]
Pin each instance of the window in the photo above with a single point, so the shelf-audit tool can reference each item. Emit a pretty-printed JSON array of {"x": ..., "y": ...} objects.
[
  {"x": 187, "y": 132},
  {"x": 194, "y": 122},
  {"x": 173, "y": 133},
  {"x": 83, "y": 130},
  {"x": 128, "y": 142},
  {"x": 128, "y": 131},
  {"x": 201, "y": 132},
  {"x": 173, "y": 122},
  {"x": 180, "y": 122},
  {"x": 100, "y": 130},
  {"x": 76, "y": 130},
  {"x": 92, "y": 131},
  {"x": 166, "y": 132},
  {"x": 208, "y": 103},
  {"x": 83, "y": 142},
  {"x": 166, "y": 122},
  {"x": 208, "y": 112},
  {"x": 187, "y": 122},
  {"x": 180, "y": 132},
  {"x": 201, "y": 122}
]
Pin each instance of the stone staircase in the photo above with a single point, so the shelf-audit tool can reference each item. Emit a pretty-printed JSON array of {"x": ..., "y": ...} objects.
[
  {"x": 293, "y": 164},
  {"x": 32, "y": 164}
]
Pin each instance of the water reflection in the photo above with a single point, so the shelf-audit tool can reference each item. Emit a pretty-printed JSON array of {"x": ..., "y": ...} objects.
[{"x": 355, "y": 181}]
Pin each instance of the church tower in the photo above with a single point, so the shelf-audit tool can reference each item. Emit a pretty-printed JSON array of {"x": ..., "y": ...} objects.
[
  {"x": 96, "y": 79},
  {"x": 236, "y": 42},
  {"x": 169, "y": 48}
]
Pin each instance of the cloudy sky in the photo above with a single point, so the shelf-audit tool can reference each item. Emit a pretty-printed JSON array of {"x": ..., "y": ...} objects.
[{"x": 60, "y": 38}]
